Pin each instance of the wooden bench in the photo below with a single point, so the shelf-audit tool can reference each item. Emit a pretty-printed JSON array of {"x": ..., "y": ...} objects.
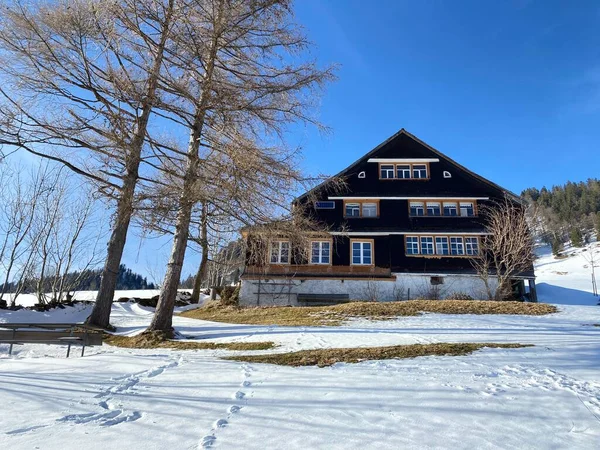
[
  {"x": 322, "y": 299},
  {"x": 50, "y": 333}
]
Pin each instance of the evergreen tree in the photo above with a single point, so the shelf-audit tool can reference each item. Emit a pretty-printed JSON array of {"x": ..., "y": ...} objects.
[{"x": 576, "y": 237}]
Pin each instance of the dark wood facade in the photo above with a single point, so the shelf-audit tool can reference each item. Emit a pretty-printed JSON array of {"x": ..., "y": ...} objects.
[{"x": 446, "y": 182}]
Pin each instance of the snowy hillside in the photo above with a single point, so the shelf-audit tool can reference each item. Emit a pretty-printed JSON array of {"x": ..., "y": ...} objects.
[{"x": 566, "y": 281}]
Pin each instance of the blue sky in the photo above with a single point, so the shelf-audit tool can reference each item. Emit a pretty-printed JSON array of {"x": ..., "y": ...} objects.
[{"x": 511, "y": 89}]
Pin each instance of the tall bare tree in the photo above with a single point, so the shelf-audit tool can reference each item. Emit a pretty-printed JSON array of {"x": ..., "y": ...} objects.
[
  {"x": 507, "y": 251},
  {"x": 236, "y": 78},
  {"x": 79, "y": 84}
]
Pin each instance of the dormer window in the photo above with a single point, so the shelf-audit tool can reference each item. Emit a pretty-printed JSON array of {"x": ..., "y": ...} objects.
[{"x": 404, "y": 171}]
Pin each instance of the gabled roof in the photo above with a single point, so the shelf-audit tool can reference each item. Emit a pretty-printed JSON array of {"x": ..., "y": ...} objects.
[{"x": 510, "y": 194}]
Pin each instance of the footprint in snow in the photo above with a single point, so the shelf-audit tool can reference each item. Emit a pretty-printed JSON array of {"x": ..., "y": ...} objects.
[
  {"x": 239, "y": 395},
  {"x": 208, "y": 441}
]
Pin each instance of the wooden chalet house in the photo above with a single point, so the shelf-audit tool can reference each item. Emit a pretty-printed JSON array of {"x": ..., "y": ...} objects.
[{"x": 410, "y": 221}]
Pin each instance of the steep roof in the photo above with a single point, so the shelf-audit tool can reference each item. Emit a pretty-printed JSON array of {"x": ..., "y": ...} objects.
[{"x": 381, "y": 146}]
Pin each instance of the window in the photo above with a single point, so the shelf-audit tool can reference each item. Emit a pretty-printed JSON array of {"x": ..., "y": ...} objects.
[
  {"x": 324, "y": 205},
  {"x": 361, "y": 208},
  {"x": 387, "y": 171},
  {"x": 362, "y": 175},
  {"x": 466, "y": 209},
  {"x": 433, "y": 209},
  {"x": 369, "y": 210},
  {"x": 441, "y": 245},
  {"x": 320, "y": 252},
  {"x": 456, "y": 246},
  {"x": 472, "y": 246},
  {"x": 436, "y": 281},
  {"x": 416, "y": 209},
  {"x": 403, "y": 171},
  {"x": 447, "y": 174},
  {"x": 419, "y": 171},
  {"x": 412, "y": 245},
  {"x": 362, "y": 253},
  {"x": 352, "y": 209},
  {"x": 463, "y": 246},
  {"x": 450, "y": 209},
  {"x": 280, "y": 252},
  {"x": 426, "y": 245}
]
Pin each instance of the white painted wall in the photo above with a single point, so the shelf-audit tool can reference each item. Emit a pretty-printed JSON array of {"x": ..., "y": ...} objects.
[{"x": 284, "y": 292}]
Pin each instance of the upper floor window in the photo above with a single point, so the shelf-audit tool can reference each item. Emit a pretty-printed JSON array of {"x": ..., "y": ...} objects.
[
  {"x": 325, "y": 205},
  {"x": 352, "y": 210},
  {"x": 386, "y": 171},
  {"x": 417, "y": 209},
  {"x": 320, "y": 252},
  {"x": 450, "y": 209},
  {"x": 442, "y": 209},
  {"x": 420, "y": 171},
  {"x": 280, "y": 252},
  {"x": 362, "y": 253},
  {"x": 361, "y": 208},
  {"x": 467, "y": 209},
  {"x": 433, "y": 209},
  {"x": 404, "y": 171}
]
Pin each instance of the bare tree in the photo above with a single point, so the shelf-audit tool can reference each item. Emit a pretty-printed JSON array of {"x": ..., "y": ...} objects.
[
  {"x": 79, "y": 85},
  {"x": 507, "y": 251},
  {"x": 238, "y": 95}
]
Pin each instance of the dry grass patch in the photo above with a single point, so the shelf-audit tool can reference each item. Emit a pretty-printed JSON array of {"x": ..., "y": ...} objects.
[
  {"x": 336, "y": 315},
  {"x": 328, "y": 357},
  {"x": 146, "y": 340}
]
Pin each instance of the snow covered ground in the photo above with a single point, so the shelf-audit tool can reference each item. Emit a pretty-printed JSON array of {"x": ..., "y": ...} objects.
[
  {"x": 547, "y": 396},
  {"x": 566, "y": 281}
]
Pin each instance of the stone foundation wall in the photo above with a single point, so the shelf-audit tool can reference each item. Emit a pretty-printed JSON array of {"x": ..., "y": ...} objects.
[{"x": 405, "y": 286}]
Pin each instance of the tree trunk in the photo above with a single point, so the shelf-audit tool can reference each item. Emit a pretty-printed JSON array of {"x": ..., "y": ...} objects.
[
  {"x": 204, "y": 260},
  {"x": 101, "y": 313},
  {"x": 163, "y": 317}
]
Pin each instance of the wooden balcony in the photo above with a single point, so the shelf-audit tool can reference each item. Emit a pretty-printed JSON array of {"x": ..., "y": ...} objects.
[{"x": 310, "y": 271}]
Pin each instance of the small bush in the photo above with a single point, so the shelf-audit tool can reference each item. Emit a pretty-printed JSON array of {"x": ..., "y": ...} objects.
[
  {"x": 459, "y": 296},
  {"x": 230, "y": 295}
]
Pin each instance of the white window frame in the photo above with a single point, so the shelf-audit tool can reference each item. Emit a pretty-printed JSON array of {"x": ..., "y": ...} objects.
[
  {"x": 374, "y": 208},
  {"x": 362, "y": 252},
  {"x": 433, "y": 204},
  {"x": 405, "y": 169},
  {"x": 279, "y": 244},
  {"x": 387, "y": 169},
  {"x": 466, "y": 208},
  {"x": 415, "y": 171},
  {"x": 440, "y": 241},
  {"x": 320, "y": 255},
  {"x": 427, "y": 243},
  {"x": 469, "y": 250},
  {"x": 417, "y": 206},
  {"x": 412, "y": 244},
  {"x": 451, "y": 205},
  {"x": 456, "y": 242},
  {"x": 354, "y": 206}
]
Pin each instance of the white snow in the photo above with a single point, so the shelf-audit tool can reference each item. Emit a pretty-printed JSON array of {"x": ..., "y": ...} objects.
[
  {"x": 547, "y": 396},
  {"x": 566, "y": 281}
]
